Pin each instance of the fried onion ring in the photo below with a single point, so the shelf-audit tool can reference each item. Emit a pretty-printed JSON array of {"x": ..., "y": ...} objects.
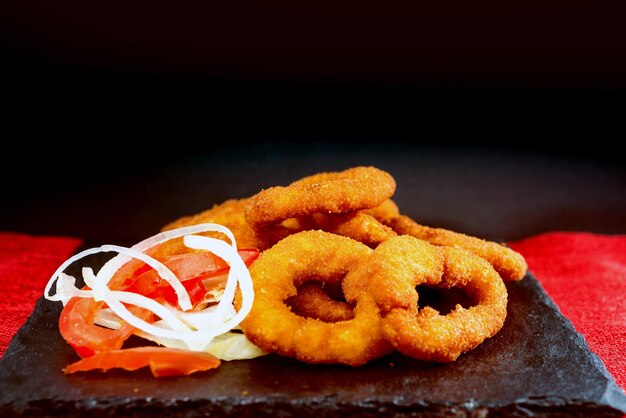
[
  {"x": 508, "y": 263},
  {"x": 388, "y": 209},
  {"x": 330, "y": 192},
  {"x": 400, "y": 264},
  {"x": 231, "y": 213},
  {"x": 313, "y": 301},
  {"x": 360, "y": 226},
  {"x": 393, "y": 270},
  {"x": 321, "y": 256}
]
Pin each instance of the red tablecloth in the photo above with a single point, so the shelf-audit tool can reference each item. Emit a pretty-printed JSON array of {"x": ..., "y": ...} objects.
[
  {"x": 584, "y": 273},
  {"x": 26, "y": 263}
]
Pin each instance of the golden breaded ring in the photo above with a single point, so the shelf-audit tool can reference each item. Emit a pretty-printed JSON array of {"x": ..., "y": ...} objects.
[
  {"x": 304, "y": 256},
  {"x": 431, "y": 336},
  {"x": 230, "y": 213},
  {"x": 359, "y": 225},
  {"x": 393, "y": 271},
  {"x": 313, "y": 301},
  {"x": 508, "y": 263},
  {"x": 388, "y": 209},
  {"x": 333, "y": 192},
  {"x": 425, "y": 334}
]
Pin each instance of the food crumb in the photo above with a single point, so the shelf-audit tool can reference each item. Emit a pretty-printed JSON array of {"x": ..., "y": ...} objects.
[
  {"x": 244, "y": 393},
  {"x": 135, "y": 390}
]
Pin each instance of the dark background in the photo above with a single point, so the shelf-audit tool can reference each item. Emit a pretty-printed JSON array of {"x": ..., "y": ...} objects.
[{"x": 497, "y": 119}]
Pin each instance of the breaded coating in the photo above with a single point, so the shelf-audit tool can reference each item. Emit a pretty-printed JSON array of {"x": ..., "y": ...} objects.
[
  {"x": 312, "y": 301},
  {"x": 391, "y": 275},
  {"x": 334, "y": 192},
  {"x": 359, "y": 225},
  {"x": 393, "y": 271},
  {"x": 510, "y": 264},
  {"x": 229, "y": 214},
  {"x": 428, "y": 335},
  {"x": 387, "y": 210}
]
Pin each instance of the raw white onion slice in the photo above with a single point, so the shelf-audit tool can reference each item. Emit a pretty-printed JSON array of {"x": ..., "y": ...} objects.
[
  {"x": 114, "y": 264},
  {"x": 105, "y": 317},
  {"x": 239, "y": 269}
]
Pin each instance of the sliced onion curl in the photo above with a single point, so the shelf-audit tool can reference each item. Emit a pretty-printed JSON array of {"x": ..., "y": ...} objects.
[{"x": 193, "y": 330}]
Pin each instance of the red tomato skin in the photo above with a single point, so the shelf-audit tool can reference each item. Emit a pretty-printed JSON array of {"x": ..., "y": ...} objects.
[
  {"x": 162, "y": 361},
  {"x": 186, "y": 267},
  {"x": 77, "y": 327}
]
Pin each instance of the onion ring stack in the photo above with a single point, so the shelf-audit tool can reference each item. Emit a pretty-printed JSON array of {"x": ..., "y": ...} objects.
[
  {"x": 507, "y": 262},
  {"x": 333, "y": 199},
  {"x": 341, "y": 271}
]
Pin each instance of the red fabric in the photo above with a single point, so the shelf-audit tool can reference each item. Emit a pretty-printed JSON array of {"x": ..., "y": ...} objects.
[
  {"x": 26, "y": 264},
  {"x": 585, "y": 275}
]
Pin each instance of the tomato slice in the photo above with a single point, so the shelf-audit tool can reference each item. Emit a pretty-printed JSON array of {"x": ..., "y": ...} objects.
[
  {"x": 186, "y": 267},
  {"x": 123, "y": 277},
  {"x": 77, "y": 327},
  {"x": 196, "y": 288},
  {"x": 161, "y": 360}
]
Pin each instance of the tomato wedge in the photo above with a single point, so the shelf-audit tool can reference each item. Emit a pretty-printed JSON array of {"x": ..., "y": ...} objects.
[
  {"x": 191, "y": 269},
  {"x": 186, "y": 267},
  {"x": 77, "y": 327},
  {"x": 196, "y": 288},
  {"x": 162, "y": 361}
]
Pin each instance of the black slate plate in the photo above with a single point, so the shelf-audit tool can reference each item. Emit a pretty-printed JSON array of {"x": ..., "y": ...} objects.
[{"x": 537, "y": 365}]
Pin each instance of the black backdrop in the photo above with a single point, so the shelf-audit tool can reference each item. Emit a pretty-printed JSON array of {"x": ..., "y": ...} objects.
[
  {"x": 523, "y": 73},
  {"x": 498, "y": 119}
]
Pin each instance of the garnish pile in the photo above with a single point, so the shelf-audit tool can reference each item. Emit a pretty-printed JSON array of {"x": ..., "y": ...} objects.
[{"x": 182, "y": 302}]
